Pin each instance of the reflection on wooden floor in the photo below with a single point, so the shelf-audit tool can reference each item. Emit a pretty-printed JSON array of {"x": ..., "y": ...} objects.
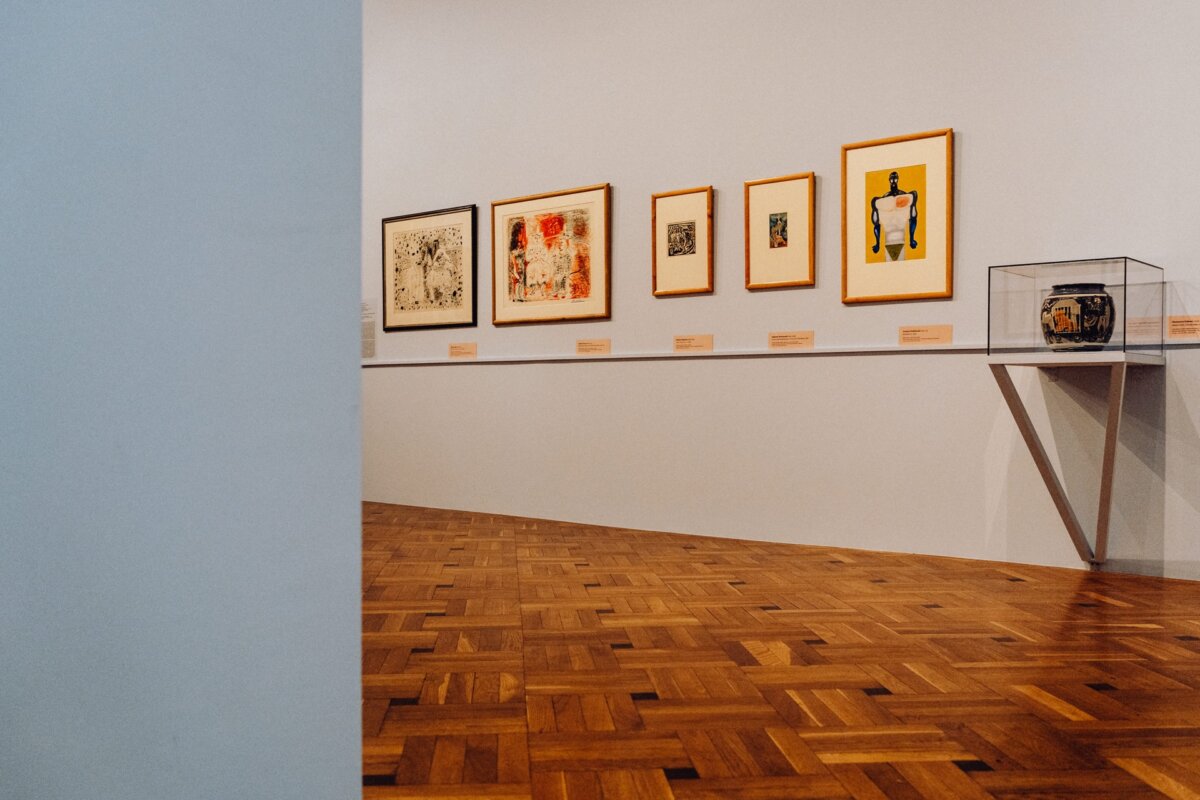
[{"x": 513, "y": 658}]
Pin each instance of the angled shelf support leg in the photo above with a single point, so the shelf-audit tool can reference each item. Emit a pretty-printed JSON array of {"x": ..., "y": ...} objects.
[
  {"x": 1116, "y": 399},
  {"x": 1055, "y": 487},
  {"x": 1112, "y": 427}
]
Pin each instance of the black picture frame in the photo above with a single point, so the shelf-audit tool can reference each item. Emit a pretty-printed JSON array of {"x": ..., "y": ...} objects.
[{"x": 428, "y": 260}]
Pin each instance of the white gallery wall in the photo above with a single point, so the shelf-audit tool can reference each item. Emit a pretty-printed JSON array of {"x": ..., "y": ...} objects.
[
  {"x": 179, "y": 444},
  {"x": 1074, "y": 138}
]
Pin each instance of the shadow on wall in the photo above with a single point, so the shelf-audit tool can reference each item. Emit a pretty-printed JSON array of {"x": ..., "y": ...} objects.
[
  {"x": 1024, "y": 526},
  {"x": 1182, "y": 388},
  {"x": 1076, "y": 405},
  {"x": 1181, "y": 299},
  {"x": 1185, "y": 439}
]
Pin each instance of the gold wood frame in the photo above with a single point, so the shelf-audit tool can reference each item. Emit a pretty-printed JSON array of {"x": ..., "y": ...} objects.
[
  {"x": 947, "y": 288},
  {"x": 812, "y": 189},
  {"x": 708, "y": 222},
  {"x": 554, "y": 310}
]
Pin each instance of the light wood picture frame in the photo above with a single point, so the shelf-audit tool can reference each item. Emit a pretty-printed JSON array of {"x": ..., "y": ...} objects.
[
  {"x": 550, "y": 256},
  {"x": 681, "y": 224},
  {"x": 898, "y": 218},
  {"x": 780, "y": 237},
  {"x": 429, "y": 277}
]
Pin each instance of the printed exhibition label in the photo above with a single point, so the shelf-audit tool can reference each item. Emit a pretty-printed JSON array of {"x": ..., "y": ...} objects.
[
  {"x": 464, "y": 350},
  {"x": 695, "y": 343},
  {"x": 1183, "y": 327},
  {"x": 790, "y": 340},
  {"x": 1143, "y": 329},
  {"x": 926, "y": 334},
  {"x": 593, "y": 347},
  {"x": 368, "y": 330}
]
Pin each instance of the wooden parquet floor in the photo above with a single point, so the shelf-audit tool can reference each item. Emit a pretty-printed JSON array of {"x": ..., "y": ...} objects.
[{"x": 515, "y": 658}]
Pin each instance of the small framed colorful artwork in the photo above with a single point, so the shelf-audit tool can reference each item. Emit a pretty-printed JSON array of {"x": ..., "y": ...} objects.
[
  {"x": 779, "y": 231},
  {"x": 898, "y": 218},
  {"x": 681, "y": 224},
  {"x": 429, "y": 269},
  {"x": 550, "y": 256}
]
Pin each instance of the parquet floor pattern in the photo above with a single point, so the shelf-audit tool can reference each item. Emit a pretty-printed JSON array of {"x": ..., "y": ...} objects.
[{"x": 516, "y": 658}]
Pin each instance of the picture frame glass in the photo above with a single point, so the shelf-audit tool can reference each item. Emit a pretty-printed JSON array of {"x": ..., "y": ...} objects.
[
  {"x": 550, "y": 256},
  {"x": 897, "y": 219},
  {"x": 429, "y": 269},
  {"x": 682, "y": 257},
  {"x": 779, "y": 232}
]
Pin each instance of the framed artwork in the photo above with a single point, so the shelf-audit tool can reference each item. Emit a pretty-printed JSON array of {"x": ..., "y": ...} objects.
[
  {"x": 429, "y": 269},
  {"x": 779, "y": 231},
  {"x": 550, "y": 258},
  {"x": 898, "y": 218},
  {"x": 682, "y": 239}
]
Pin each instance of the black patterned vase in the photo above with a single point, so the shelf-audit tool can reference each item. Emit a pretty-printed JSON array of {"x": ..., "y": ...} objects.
[{"x": 1078, "y": 316}]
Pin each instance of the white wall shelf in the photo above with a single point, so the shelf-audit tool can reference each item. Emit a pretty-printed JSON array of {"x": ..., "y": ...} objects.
[
  {"x": 1099, "y": 358},
  {"x": 670, "y": 355}
]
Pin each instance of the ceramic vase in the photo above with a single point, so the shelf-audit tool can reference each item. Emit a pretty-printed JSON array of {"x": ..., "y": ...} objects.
[{"x": 1078, "y": 316}]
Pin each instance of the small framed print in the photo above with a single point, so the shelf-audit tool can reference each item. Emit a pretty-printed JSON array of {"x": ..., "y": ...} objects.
[
  {"x": 681, "y": 224},
  {"x": 898, "y": 218},
  {"x": 550, "y": 256},
  {"x": 429, "y": 269},
  {"x": 779, "y": 231}
]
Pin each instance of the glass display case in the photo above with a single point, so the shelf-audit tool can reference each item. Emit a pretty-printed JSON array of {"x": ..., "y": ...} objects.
[{"x": 1068, "y": 307}]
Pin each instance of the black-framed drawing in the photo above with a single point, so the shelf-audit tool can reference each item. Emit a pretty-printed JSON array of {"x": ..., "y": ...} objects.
[
  {"x": 681, "y": 225},
  {"x": 780, "y": 231},
  {"x": 429, "y": 269},
  {"x": 550, "y": 259},
  {"x": 898, "y": 218}
]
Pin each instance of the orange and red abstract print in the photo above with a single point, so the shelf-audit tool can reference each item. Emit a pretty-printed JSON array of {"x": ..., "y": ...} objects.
[{"x": 548, "y": 256}]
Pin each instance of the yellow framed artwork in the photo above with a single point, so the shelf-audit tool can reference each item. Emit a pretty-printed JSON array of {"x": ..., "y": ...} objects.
[{"x": 898, "y": 218}]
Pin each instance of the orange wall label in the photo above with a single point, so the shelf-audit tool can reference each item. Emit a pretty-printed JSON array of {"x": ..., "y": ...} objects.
[
  {"x": 697, "y": 343},
  {"x": 1143, "y": 327},
  {"x": 464, "y": 350},
  {"x": 593, "y": 347},
  {"x": 926, "y": 334},
  {"x": 1183, "y": 327},
  {"x": 789, "y": 340}
]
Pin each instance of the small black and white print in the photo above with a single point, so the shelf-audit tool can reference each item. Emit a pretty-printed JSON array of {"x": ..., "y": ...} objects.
[
  {"x": 427, "y": 268},
  {"x": 681, "y": 238}
]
